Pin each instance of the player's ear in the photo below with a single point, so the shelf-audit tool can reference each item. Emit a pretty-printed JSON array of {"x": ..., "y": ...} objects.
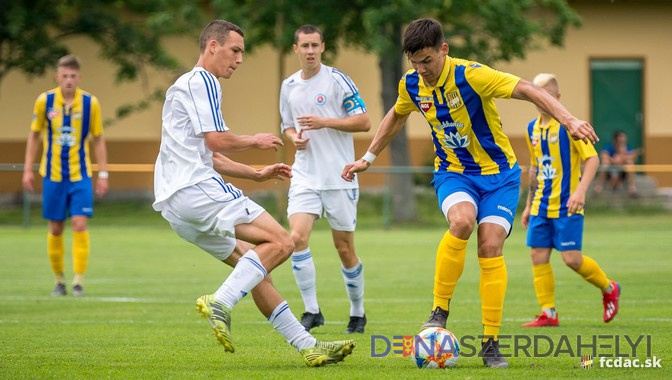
[{"x": 295, "y": 48}]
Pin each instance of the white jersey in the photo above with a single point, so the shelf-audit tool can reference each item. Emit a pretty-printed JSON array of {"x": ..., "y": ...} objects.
[
  {"x": 330, "y": 93},
  {"x": 192, "y": 107}
]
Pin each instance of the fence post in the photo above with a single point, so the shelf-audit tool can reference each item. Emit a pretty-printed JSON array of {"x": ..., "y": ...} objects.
[{"x": 26, "y": 209}]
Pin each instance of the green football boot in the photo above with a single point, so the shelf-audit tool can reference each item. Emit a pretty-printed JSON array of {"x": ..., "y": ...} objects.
[{"x": 219, "y": 317}]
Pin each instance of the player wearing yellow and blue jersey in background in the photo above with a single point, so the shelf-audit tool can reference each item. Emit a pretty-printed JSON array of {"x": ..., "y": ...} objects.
[
  {"x": 476, "y": 175},
  {"x": 554, "y": 209},
  {"x": 69, "y": 118}
]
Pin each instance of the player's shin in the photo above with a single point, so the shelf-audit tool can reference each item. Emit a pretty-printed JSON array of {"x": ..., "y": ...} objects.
[
  {"x": 590, "y": 271},
  {"x": 81, "y": 247},
  {"x": 354, "y": 286},
  {"x": 544, "y": 285},
  {"x": 450, "y": 257},
  {"x": 493, "y": 289},
  {"x": 56, "y": 252},
  {"x": 289, "y": 327},
  {"x": 246, "y": 275},
  {"x": 303, "y": 269}
]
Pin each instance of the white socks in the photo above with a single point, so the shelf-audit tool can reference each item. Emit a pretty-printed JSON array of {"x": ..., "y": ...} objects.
[
  {"x": 289, "y": 327},
  {"x": 549, "y": 311},
  {"x": 246, "y": 275},
  {"x": 354, "y": 286},
  {"x": 304, "y": 273}
]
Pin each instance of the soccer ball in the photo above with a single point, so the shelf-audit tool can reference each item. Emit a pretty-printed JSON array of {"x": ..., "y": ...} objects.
[{"x": 435, "y": 347}]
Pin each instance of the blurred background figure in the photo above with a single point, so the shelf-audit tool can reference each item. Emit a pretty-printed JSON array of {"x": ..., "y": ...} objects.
[
  {"x": 613, "y": 156},
  {"x": 70, "y": 117}
]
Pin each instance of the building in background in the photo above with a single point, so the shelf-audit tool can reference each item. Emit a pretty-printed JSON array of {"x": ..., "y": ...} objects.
[{"x": 614, "y": 72}]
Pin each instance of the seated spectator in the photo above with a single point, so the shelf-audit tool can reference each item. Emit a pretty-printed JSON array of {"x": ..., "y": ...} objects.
[{"x": 613, "y": 156}]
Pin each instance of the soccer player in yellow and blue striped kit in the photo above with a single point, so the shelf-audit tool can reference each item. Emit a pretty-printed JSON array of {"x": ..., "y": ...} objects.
[
  {"x": 554, "y": 209},
  {"x": 69, "y": 118},
  {"x": 476, "y": 175}
]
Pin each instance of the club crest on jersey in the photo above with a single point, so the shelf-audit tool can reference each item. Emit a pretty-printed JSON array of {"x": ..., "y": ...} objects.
[
  {"x": 52, "y": 113},
  {"x": 553, "y": 138},
  {"x": 426, "y": 106},
  {"x": 454, "y": 100},
  {"x": 320, "y": 99}
]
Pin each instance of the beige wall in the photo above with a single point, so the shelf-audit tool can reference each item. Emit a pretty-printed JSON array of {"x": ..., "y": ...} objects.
[{"x": 638, "y": 29}]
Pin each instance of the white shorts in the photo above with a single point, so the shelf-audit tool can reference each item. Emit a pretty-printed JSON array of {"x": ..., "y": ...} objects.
[
  {"x": 339, "y": 206},
  {"x": 207, "y": 213}
]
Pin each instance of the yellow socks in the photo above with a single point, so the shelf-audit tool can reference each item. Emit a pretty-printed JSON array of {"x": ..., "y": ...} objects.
[
  {"x": 81, "y": 247},
  {"x": 590, "y": 270},
  {"x": 544, "y": 285},
  {"x": 493, "y": 289},
  {"x": 449, "y": 266},
  {"x": 56, "y": 253}
]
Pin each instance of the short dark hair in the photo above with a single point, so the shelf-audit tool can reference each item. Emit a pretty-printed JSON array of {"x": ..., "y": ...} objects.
[
  {"x": 219, "y": 31},
  {"x": 308, "y": 29},
  {"x": 69, "y": 61},
  {"x": 420, "y": 34},
  {"x": 618, "y": 133}
]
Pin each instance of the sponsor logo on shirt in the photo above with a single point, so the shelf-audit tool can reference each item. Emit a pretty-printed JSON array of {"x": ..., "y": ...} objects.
[
  {"x": 426, "y": 106},
  {"x": 535, "y": 139},
  {"x": 547, "y": 169},
  {"x": 451, "y": 124},
  {"x": 52, "y": 113},
  {"x": 454, "y": 140}
]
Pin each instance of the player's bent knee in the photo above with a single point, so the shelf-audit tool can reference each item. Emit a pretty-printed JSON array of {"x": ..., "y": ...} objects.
[
  {"x": 286, "y": 247},
  {"x": 573, "y": 261},
  {"x": 462, "y": 225},
  {"x": 299, "y": 240}
]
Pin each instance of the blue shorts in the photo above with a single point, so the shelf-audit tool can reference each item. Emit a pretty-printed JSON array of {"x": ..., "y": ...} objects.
[
  {"x": 495, "y": 196},
  {"x": 63, "y": 199},
  {"x": 564, "y": 233}
]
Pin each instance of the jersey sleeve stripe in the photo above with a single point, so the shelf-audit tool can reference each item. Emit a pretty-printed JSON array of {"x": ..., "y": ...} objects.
[
  {"x": 50, "y": 133},
  {"x": 217, "y": 98},
  {"x": 86, "y": 120},
  {"x": 210, "y": 100},
  {"x": 341, "y": 79}
]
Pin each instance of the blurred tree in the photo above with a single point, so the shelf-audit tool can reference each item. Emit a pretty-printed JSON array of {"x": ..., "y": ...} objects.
[
  {"x": 483, "y": 30},
  {"x": 34, "y": 33}
]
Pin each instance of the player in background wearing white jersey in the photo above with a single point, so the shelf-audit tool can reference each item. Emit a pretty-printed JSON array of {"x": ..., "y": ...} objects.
[
  {"x": 320, "y": 109},
  {"x": 205, "y": 210}
]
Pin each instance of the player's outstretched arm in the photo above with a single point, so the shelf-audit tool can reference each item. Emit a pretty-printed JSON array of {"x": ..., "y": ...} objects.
[
  {"x": 389, "y": 127},
  {"x": 226, "y": 166},
  {"x": 229, "y": 142},
  {"x": 578, "y": 129},
  {"x": 354, "y": 123}
]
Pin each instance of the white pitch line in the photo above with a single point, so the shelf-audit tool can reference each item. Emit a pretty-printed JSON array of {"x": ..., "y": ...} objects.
[{"x": 262, "y": 322}]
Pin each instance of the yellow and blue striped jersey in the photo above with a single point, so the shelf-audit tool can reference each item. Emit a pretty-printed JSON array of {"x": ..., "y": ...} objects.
[
  {"x": 460, "y": 109},
  {"x": 65, "y": 153},
  {"x": 557, "y": 158}
]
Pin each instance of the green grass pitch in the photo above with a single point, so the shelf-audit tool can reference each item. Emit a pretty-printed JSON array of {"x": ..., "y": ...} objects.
[{"x": 138, "y": 318}]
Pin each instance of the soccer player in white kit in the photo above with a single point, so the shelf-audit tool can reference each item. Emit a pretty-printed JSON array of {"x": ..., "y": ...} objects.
[
  {"x": 205, "y": 210},
  {"x": 320, "y": 109}
]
